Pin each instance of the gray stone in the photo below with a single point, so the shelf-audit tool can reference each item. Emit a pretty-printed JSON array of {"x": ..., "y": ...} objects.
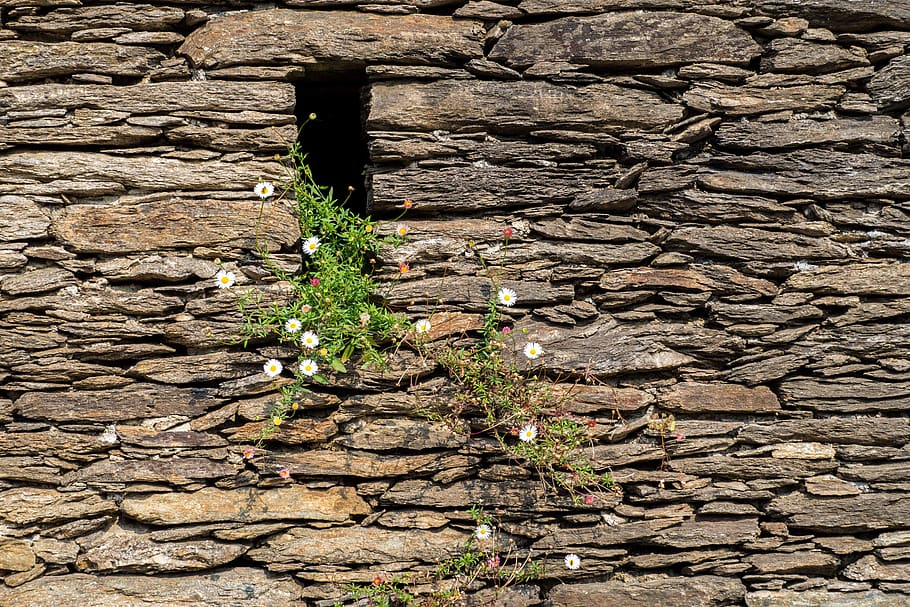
[
  {"x": 624, "y": 40},
  {"x": 656, "y": 591}
]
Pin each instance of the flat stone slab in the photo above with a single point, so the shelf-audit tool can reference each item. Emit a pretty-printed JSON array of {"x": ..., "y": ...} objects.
[
  {"x": 175, "y": 223},
  {"x": 880, "y": 511},
  {"x": 514, "y": 107},
  {"x": 627, "y": 40},
  {"x": 239, "y": 587},
  {"x": 31, "y": 505},
  {"x": 654, "y": 591},
  {"x": 22, "y": 61},
  {"x": 246, "y": 505},
  {"x": 842, "y": 15},
  {"x": 136, "y": 401},
  {"x": 886, "y": 280},
  {"x": 306, "y": 547},
  {"x": 698, "y": 397},
  {"x": 154, "y": 97},
  {"x": 283, "y": 36},
  {"x": 820, "y": 598}
]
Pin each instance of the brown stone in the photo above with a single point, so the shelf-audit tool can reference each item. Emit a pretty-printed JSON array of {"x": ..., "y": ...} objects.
[
  {"x": 804, "y": 132},
  {"x": 155, "y": 97},
  {"x": 655, "y": 591},
  {"x": 331, "y": 38},
  {"x": 803, "y": 561},
  {"x": 16, "y": 555},
  {"x": 749, "y": 100},
  {"x": 461, "y": 494},
  {"x": 624, "y": 40},
  {"x": 392, "y": 433},
  {"x": 176, "y": 471},
  {"x": 880, "y": 511},
  {"x": 364, "y": 465},
  {"x": 29, "y": 506},
  {"x": 516, "y": 107},
  {"x": 821, "y": 598},
  {"x": 811, "y": 173},
  {"x": 846, "y": 394},
  {"x": 22, "y": 219},
  {"x": 136, "y": 401},
  {"x": 303, "y": 546},
  {"x": 694, "y": 397},
  {"x": 751, "y": 244},
  {"x": 69, "y": 20},
  {"x": 854, "y": 279},
  {"x": 870, "y": 568},
  {"x": 842, "y": 15},
  {"x": 201, "y": 368},
  {"x": 22, "y": 61},
  {"x": 246, "y": 587},
  {"x": 698, "y": 277},
  {"x": 750, "y": 468},
  {"x": 856, "y": 430},
  {"x": 175, "y": 223},
  {"x": 37, "y": 281},
  {"x": 119, "y": 550},
  {"x": 802, "y": 57},
  {"x": 246, "y": 505}
]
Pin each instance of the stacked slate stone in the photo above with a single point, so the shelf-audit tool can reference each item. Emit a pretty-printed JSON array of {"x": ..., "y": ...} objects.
[{"x": 710, "y": 214}]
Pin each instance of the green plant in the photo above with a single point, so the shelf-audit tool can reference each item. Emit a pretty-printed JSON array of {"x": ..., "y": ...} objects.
[
  {"x": 485, "y": 558},
  {"x": 332, "y": 311}
]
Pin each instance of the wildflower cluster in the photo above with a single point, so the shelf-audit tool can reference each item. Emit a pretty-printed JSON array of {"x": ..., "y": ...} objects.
[
  {"x": 518, "y": 408},
  {"x": 331, "y": 312},
  {"x": 487, "y": 558}
]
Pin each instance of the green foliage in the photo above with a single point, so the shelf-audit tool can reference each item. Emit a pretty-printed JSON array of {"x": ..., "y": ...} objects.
[
  {"x": 334, "y": 296},
  {"x": 489, "y": 561}
]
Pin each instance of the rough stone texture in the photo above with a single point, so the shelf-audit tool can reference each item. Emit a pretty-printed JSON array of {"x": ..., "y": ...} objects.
[
  {"x": 242, "y": 586},
  {"x": 708, "y": 205},
  {"x": 627, "y": 40},
  {"x": 322, "y": 37},
  {"x": 515, "y": 107},
  {"x": 246, "y": 505},
  {"x": 707, "y": 591}
]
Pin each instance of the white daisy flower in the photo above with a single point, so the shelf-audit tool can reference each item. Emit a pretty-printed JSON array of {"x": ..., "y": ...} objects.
[
  {"x": 272, "y": 367},
  {"x": 422, "y": 326},
  {"x": 264, "y": 189},
  {"x": 310, "y": 245},
  {"x": 309, "y": 340},
  {"x": 308, "y": 367},
  {"x": 506, "y": 297},
  {"x": 483, "y": 532},
  {"x": 292, "y": 325},
  {"x": 528, "y": 433},
  {"x": 572, "y": 561},
  {"x": 533, "y": 350},
  {"x": 224, "y": 279},
  {"x": 401, "y": 229}
]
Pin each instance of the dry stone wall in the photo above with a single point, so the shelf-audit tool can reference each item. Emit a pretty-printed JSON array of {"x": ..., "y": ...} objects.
[{"x": 710, "y": 212}]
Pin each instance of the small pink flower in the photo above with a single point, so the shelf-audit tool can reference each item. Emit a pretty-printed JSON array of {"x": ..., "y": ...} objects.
[
  {"x": 314, "y": 281},
  {"x": 507, "y": 232},
  {"x": 377, "y": 581},
  {"x": 404, "y": 268},
  {"x": 284, "y": 473},
  {"x": 589, "y": 499},
  {"x": 408, "y": 203},
  {"x": 493, "y": 561},
  {"x": 305, "y": 308},
  {"x": 248, "y": 453},
  {"x": 680, "y": 438},
  {"x": 592, "y": 423},
  {"x": 506, "y": 330}
]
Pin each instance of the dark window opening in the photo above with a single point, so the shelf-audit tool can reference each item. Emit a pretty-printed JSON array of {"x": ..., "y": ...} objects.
[{"x": 335, "y": 142}]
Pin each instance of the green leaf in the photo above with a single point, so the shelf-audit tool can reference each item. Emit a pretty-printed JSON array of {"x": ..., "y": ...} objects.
[
  {"x": 320, "y": 379},
  {"x": 338, "y": 365}
]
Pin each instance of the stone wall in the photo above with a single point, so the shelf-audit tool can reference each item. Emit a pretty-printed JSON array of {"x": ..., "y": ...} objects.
[{"x": 710, "y": 210}]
